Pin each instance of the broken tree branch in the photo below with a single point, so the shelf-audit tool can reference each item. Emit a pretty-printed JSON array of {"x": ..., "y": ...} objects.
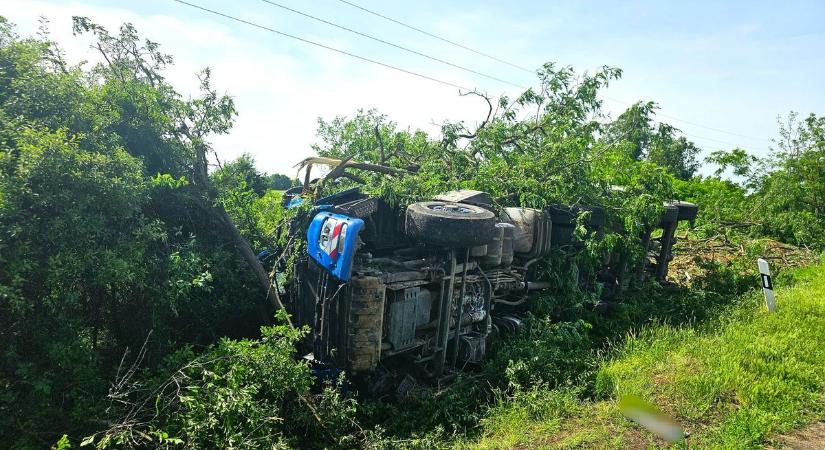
[
  {"x": 485, "y": 121},
  {"x": 380, "y": 144}
]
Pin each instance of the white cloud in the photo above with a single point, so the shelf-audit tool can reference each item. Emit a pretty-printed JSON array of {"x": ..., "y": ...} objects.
[
  {"x": 279, "y": 89},
  {"x": 282, "y": 86}
]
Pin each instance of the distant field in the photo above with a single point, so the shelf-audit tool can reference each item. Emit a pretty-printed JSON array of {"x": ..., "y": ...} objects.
[{"x": 737, "y": 383}]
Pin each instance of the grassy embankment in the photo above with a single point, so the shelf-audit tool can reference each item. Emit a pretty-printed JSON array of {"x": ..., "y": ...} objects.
[{"x": 736, "y": 382}]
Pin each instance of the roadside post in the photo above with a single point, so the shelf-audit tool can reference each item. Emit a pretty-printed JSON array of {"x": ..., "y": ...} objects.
[{"x": 767, "y": 284}]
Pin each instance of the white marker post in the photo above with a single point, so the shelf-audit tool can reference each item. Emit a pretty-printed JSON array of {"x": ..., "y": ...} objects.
[{"x": 767, "y": 284}]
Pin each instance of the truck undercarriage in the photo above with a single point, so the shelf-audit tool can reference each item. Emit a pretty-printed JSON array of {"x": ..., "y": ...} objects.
[{"x": 423, "y": 291}]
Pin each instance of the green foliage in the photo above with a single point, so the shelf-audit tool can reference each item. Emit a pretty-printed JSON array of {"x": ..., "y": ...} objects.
[
  {"x": 779, "y": 196},
  {"x": 102, "y": 237},
  {"x": 546, "y": 353},
  {"x": 62, "y": 444},
  {"x": 252, "y": 200},
  {"x": 73, "y": 256},
  {"x": 657, "y": 143},
  {"x": 794, "y": 193},
  {"x": 236, "y": 394},
  {"x": 676, "y": 154},
  {"x": 738, "y": 160},
  {"x": 242, "y": 174},
  {"x": 721, "y": 201},
  {"x": 734, "y": 381},
  {"x": 280, "y": 182},
  {"x": 235, "y": 401},
  {"x": 531, "y": 161},
  {"x": 634, "y": 126}
]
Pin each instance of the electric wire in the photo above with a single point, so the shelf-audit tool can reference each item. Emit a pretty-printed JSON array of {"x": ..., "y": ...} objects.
[
  {"x": 718, "y": 130},
  {"x": 392, "y": 44},
  {"x": 318, "y": 44},
  {"x": 435, "y": 36},
  {"x": 718, "y": 141},
  {"x": 470, "y": 49},
  {"x": 420, "y": 75}
]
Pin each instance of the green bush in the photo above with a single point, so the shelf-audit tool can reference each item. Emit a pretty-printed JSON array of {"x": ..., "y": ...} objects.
[
  {"x": 236, "y": 394},
  {"x": 103, "y": 237}
]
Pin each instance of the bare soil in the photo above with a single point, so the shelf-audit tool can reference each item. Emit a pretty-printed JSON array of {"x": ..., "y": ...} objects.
[
  {"x": 691, "y": 254},
  {"x": 811, "y": 437}
]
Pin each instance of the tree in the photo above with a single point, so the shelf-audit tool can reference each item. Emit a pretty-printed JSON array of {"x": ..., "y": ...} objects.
[
  {"x": 241, "y": 174},
  {"x": 635, "y": 125},
  {"x": 794, "y": 190},
  {"x": 676, "y": 154},
  {"x": 741, "y": 163},
  {"x": 801, "y": 153},
  {"x": 111, "y": 235},
  {"x": 280, "y": 182},
  {"x": 72, "y": 267},
  {"x": 787, "y": 188},
  {"x": 658, "y": 143},
  {"x": 139, "y": 65}
]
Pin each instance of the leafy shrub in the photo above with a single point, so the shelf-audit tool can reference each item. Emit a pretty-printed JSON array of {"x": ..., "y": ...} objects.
[
  {"x": 104, "y": 236},
  {"x": 237, "y": 394},
  {"x": 545, "y": 353}
]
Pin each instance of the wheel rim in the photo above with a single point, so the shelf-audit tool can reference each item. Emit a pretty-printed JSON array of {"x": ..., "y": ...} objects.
[{"x": 452, "y": 209}]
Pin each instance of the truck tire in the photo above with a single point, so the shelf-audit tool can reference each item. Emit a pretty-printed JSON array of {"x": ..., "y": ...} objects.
[{"x": 456, "y": 225}]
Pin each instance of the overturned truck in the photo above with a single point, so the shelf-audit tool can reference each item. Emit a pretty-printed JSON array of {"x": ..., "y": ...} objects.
[{"x": 423, "y": 290}]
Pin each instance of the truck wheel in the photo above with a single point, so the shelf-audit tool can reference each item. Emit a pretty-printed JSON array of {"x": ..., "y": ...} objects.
[{"x": 450, "y": 224}]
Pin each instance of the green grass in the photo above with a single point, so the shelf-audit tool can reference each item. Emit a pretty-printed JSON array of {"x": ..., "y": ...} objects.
[{"x": 734, "y": 382}]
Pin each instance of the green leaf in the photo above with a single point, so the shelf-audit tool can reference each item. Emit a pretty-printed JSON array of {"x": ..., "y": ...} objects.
[{"x": 88, "y": 440}]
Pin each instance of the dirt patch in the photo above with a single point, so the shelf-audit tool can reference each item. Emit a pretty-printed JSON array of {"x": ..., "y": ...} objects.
[
  {"x": 811, "y": 437},
  {"x": 691, "y": 256}
]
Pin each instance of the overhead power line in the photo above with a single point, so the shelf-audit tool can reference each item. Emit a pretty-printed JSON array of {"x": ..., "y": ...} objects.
[
  {"x": 718, "y": 130},
  {"x": 413, "y": 73},
  {"x": 478, "y": 52},
  {"x": 432, "y": 35},
  {"x": 714, "y": 129},
  {"x": 392, "y": 44},
  {"x": 729, "y": 145},
  {"x": 690, "y": 135},
  {"x": 318, "y": 44}
]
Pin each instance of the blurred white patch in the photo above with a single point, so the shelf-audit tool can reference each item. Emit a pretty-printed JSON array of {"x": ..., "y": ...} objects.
[{"x": 650, "y": 417}]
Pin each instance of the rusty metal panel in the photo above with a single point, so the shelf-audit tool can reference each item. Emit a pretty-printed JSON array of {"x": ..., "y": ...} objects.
[{"x": 365, "y": 323}]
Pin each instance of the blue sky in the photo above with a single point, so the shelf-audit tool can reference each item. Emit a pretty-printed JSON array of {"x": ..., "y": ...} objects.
[{"x": 731, "y": 66}]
